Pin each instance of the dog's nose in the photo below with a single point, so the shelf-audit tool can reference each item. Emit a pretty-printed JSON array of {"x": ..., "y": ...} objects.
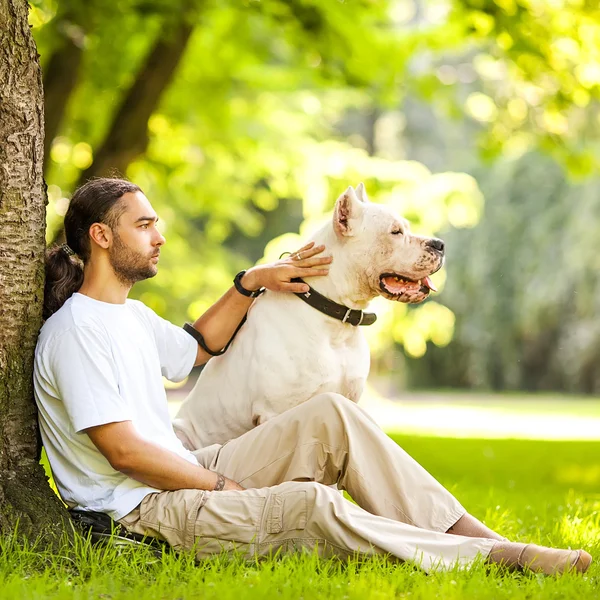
[{"x": 436, "y": 244}]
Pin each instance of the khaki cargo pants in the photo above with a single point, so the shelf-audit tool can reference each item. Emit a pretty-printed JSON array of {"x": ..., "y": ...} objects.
[{"x": 287, "y": 465}]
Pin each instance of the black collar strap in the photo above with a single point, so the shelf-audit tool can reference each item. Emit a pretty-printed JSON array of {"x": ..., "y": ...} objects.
[{"x": 330, "y": 308}]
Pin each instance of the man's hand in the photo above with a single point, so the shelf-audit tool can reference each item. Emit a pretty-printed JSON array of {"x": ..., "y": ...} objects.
[{"x": 277, "y": 276}]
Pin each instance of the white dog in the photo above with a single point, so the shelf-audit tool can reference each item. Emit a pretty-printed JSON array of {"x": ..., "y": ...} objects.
[{"x": 289, "y": 351}]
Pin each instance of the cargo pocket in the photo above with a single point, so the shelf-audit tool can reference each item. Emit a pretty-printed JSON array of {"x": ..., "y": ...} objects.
[
  {"x": 167, "y": 516},
  {"x": 191, "y": 518},
  {"x": 227, "y": 521},
  {"x": 286, "y": 512}
]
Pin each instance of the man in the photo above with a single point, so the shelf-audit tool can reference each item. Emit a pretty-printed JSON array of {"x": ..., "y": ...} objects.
[{"x": 99, "y": 364}]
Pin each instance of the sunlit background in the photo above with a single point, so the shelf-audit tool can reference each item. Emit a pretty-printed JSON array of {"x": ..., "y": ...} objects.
[{"x": 478, "y": 121}]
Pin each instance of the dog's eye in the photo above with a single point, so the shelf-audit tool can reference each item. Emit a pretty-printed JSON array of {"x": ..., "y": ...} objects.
[{"x": 397, "y": 232}]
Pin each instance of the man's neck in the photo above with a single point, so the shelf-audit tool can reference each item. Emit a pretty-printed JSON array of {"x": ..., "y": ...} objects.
[{"x": 104, "y": 287}]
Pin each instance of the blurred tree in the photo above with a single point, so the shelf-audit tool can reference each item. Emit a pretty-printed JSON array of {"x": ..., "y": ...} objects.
[
  {"x": 528, "y": 73},
  {"x": 61, "y": 72},
  {"x": 257, "y": 89},
  {"x": 525, "y": 286}
]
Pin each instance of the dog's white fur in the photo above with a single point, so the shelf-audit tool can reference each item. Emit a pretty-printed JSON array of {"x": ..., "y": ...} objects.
[{"x": 287, "y": 351}]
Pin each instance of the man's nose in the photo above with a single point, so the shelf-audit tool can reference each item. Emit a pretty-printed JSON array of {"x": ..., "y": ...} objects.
[{"x": 436, "y": 244}]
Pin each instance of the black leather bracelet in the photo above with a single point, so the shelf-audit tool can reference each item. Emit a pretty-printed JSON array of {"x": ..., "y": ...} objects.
[
  {"x": 189, "y": 328},
  {"x": 237, "y": 281}
]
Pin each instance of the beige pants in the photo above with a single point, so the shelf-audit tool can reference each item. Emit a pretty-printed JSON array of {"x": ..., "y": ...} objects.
[{"x": 402, "y": 510}]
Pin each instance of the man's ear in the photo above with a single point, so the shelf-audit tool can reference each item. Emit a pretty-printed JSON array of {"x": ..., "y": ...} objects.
[
  {"x": 100, "y": 234},
  {"x": 361, "y": 192},
  {"x": 347, "y": 212}
]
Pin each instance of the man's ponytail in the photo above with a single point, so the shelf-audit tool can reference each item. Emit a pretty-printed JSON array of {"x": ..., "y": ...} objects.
[
  {"x": 97, "y": 201},
  {"x": 64, "y": 276}
]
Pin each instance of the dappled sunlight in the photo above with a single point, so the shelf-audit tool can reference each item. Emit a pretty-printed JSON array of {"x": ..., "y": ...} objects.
[
  {"x": 498, "y": 519},
  {"x": 579, "y": 530},
  {"x": 453, "y": 415}
]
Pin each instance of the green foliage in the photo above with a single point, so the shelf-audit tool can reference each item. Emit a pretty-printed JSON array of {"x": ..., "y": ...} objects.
[
  {"x": 529, "y": 491},
  {"x": 247, "y": 125},
  {"x": 537, "y": 65},
  {"x": 277, "y": 106}
]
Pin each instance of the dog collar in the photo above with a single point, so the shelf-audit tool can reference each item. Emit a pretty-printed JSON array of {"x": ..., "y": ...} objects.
[{"x": 330, "y": 308}]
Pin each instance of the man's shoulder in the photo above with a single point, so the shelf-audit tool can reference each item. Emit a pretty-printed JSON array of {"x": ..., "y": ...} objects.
[
  {"x": 67, "y": 318},
  {"x": 138, "y": 306},
  {"x": 159, "y": 326},
  {"x": 145, "y": 312}
]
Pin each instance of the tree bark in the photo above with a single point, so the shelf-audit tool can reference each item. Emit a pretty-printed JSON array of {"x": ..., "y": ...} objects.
[{"x": 25, "y": 496}]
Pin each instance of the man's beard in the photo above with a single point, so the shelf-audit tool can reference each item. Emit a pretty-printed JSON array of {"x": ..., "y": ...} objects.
[{"x": 130, "y": 266}]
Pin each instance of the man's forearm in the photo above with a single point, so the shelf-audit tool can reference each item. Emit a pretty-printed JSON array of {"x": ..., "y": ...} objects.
[{"x": 155, "y": 466}]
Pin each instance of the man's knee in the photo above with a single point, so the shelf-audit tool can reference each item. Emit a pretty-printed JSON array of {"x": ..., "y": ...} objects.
[
  {"x": 330, "y": 402},
  {"x": 324, "y": 415},
  {"x": 330, "y": 418},
  {"x": 330, "y": 405}
]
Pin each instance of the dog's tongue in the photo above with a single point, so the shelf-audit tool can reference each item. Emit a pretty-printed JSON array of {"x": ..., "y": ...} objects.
[
  {"x": 396, "y": 286},
  {"x": 427, "y": 282}
]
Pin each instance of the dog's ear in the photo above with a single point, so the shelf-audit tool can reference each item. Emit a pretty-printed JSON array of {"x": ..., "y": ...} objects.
[
  {"x": 361, "y": 192},
  {"x": 348, "y": 210}
]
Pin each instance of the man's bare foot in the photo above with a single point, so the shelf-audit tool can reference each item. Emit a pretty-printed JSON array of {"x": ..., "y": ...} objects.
[
  {"x": 552, "y": 561},
  {"x": 540, "y": 559}
]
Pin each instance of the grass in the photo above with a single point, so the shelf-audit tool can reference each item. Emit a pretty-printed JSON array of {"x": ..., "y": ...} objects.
[{"x": 540, "y": 491}]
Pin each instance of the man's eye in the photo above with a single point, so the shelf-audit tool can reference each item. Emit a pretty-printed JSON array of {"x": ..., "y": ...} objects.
[{"x": 145, "y": 226}]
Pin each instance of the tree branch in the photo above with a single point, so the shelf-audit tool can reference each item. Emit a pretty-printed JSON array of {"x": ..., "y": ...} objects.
[
  {"x": 60, "y": 78},
  {"x": 128, "y": 135}
]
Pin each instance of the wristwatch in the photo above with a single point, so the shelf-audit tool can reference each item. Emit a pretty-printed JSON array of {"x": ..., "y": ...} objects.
[{"x": 237, "y": 281}]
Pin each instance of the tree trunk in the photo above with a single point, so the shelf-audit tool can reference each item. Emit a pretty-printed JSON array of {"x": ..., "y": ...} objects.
[{"x": 25, "y": 495}]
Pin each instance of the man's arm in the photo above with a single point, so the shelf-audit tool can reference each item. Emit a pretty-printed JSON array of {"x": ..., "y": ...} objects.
[
  {"x": 220, "y": 321},
  {"x": 148, "y": 462}
]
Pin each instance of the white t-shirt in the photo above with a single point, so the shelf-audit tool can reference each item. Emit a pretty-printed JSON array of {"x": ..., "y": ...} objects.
[{"x": 98, "y": 363}]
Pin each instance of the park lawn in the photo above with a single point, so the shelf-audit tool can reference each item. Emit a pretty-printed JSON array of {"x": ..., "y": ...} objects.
[{"x": 540, "y": 491}]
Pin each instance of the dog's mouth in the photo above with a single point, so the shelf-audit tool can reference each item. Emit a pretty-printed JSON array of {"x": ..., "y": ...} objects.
[{"x": 396, "y": 285}]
